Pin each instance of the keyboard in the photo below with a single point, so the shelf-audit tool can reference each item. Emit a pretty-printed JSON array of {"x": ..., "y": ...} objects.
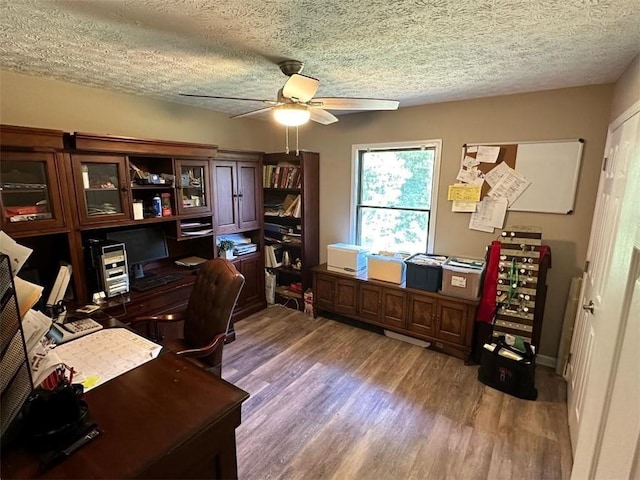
[{"x": 147, "y": 283}]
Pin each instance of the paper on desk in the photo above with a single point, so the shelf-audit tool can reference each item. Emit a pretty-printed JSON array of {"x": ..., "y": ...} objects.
[
  {"x": 17, "y": 253},
  {"x": 35, "y": 325},
  {"x": 105, "y": 354},
  {"x": 510, "y": 186},
  {"x": 487, "y": 154},
  {"x": 464, "y": 193}
]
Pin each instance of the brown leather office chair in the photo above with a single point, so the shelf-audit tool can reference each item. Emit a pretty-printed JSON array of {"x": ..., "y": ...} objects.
[{"x": 207, "y": 316}]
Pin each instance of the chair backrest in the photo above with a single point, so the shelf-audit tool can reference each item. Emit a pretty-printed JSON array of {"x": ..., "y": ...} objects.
[{"x": 211, "y": 305}]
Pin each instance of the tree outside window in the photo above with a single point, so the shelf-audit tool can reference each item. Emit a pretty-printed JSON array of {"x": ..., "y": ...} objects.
[{"x": 394, "y": 198}]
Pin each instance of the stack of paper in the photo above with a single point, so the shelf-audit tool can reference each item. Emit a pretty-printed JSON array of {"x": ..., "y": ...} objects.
[{"x": 27, "y": 293}]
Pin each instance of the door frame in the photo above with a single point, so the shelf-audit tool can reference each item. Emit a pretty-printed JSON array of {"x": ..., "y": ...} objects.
[{"x": 587, "y": 451}]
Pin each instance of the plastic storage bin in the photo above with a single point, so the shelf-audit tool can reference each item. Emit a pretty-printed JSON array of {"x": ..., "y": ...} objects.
[
  {"x": 424, "y": 271},
  {"x": 387, "y": 269},
  {"x": 346, "y": 258},
  {"x": 461, "y": 277}
]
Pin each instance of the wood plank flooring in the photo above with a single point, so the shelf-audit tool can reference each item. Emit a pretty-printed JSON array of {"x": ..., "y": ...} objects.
[{"x": 332, "y": 401}]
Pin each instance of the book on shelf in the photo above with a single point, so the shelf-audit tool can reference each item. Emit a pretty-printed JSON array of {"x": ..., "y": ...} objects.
[
  {"x": 281, "y": 176},
  {"x": 273, "y": 256}
]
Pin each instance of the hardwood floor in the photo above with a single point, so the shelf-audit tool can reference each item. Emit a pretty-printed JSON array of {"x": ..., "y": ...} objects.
[{"x": 332, "y": 401}]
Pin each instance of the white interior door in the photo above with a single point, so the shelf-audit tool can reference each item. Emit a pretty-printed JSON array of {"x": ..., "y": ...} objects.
[
  {"x": 589, "y": 310},
  {"x": 597, "y": 334},
  {"x": 621, "y": 427}
]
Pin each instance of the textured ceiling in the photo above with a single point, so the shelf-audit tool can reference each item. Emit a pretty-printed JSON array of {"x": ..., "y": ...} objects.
[{"x": 420, "y": 51}]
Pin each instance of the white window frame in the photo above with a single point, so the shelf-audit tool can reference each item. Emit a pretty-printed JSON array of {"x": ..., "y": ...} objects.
[{"x": 355, "y": 149}]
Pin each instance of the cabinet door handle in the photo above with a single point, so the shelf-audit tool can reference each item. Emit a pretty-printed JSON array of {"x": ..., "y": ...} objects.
[{"x": 240, "y": 195}]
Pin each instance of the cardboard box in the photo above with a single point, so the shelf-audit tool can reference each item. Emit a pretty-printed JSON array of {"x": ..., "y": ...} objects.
[
  {"x": 387, "y": 269},
  {"x": 346, "y": 258},
  {"x": 461, "y": 277}
]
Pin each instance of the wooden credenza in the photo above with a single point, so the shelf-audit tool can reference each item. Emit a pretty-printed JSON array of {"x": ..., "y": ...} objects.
[{"x": 446, "y": 322}]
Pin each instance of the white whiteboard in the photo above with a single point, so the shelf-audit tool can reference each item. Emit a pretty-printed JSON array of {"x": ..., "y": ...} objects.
[{"x": 553, "y": 168}]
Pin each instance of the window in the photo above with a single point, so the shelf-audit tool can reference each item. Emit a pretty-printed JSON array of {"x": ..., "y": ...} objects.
[{"x": 395, "y": 191}]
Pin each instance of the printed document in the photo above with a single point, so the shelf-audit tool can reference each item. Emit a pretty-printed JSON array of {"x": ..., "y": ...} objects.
[
  {"x": 105, "y": 354},
  {"x": 510, "y": 186},
  {"x": 488, "y": 154}
]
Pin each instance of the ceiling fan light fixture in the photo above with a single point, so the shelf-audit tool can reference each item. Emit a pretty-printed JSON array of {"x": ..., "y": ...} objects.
[{"x": 292, "y": 115}]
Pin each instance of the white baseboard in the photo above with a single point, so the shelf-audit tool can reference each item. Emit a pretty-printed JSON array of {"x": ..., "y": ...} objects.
[{"x": 546, "y": 361}]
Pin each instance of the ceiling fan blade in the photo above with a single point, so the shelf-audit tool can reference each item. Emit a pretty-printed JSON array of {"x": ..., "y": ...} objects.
[
  {"x": 332, "y": 103},
  {"x": 322, "y": 116},
  {"x": 301, "y": 87},
  {"x": 268, "y": 102},
  {"x": 253, "y": 112}
]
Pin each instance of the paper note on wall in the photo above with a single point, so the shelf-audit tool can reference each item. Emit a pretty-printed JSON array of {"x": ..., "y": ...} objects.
[
  {"x": 469, "y": 176},
  {"x": 493, "y": 176},
  {"x": 464, "y": 207},
  {"x": 470, "y": 162},
  {"x": 488, "y": 154},
  {"x": 510, "y": 186},
  {"x": 464, "y": 193},
  {"x": 489, "y": 215}
]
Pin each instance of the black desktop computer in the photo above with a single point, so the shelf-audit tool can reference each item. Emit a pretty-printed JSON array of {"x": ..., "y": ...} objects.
[{"x": 109, "y": 263}]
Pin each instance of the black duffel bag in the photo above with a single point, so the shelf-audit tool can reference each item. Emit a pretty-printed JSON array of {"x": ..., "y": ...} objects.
[{"x": 515, "y": 377}]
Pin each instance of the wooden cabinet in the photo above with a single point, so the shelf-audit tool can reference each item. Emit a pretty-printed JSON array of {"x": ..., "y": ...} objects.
[
  {"x": 101, "y": 185},
  {"x": 33, "y": 181},
  {"x": 30, "y": 195},
  {"x": 336, "y": 294},
  {"x": 446, "y": 322},
  {"x": 291, "y": 217},
  {"x": 238, "y": 191},
  {"x": 237, "y": 180},
  {"x": 252, "y": 297},
  {"x": 443, "y": 318},
  {"x": 82, "y": 187},
  {"x": 193, "y": 181}
]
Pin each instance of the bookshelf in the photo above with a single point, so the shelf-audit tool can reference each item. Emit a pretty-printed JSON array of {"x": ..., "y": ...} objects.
[{"x": 291, "y": 222}]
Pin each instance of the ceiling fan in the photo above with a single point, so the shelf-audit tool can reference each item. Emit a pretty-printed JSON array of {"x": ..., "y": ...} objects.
[{"x": 295, "y": 104}]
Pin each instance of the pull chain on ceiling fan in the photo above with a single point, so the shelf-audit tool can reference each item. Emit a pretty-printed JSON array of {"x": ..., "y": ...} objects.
[{"x": 295, "y": 103}]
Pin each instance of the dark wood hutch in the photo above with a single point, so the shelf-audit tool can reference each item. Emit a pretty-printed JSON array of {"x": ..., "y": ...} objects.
[{"x": 53, "y": 200}]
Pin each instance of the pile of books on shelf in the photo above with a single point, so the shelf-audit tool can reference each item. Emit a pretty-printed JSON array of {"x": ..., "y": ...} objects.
[
  {"x": 241, "y": 244},
  {"x": 281, "y": 176},
  {"x": 291, "y": 206},
  {"x": 274, "y": 232}
]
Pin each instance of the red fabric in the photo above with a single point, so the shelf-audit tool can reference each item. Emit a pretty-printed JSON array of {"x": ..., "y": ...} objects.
[{"x": 487, "y": 306}]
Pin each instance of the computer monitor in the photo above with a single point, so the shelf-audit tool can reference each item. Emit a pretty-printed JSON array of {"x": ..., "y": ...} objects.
[{"x": 143, "y": 245}]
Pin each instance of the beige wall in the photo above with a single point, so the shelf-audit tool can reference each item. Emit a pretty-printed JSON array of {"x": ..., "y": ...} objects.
[
  {"x": 570, "y": 113},
  {"x": 560, "y": 114},
  {"x": 37, "y": 102},
  {"x": 627, "y": 89}
]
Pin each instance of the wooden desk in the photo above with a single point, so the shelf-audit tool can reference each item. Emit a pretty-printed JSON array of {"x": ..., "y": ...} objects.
[{"x": 165, "y": 419}]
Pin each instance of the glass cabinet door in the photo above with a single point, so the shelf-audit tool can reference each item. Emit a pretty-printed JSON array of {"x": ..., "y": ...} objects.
[
  {"x": 193, "y": 186},
  {"x": 29, "y": 191},
  {"x": 101, "y": 187}
]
